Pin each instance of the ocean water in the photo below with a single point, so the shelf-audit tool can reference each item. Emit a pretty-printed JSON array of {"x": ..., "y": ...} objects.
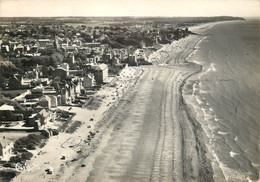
[{"x": 227, "y": 93}]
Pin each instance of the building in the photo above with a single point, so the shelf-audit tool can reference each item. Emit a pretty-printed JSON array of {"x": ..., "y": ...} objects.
[
  {"x": 70, "y": 49},
  {"x": 54, "y": 101},
  {"x": 77, "y": 42},
  {"x": 6, "y": 113},
  {"x": 6, "y": 107},
  {"x": 36, "y": 92},
  {"x": 43, "y": 116},
  {"x": 20, "y": 49},
  {"x": 91, "y": 44},
  {"x": 132, "y": 61},
  {"x": 140, "y": 53},
  {"x": 45, "y": 43},
  {"x": 61, "y": 72},
  {"x": 17, "y": 82},
  {"x": 6, "y": 148},
  {"x": 45, "y": 102},
  {"x": 107, "y": 57},
  {"x": 88, "y": 81},
  {"x": 5, "y": 48},
  {"x": 116, "y": 61},
  {"x": 100, "y": 72},
  {"x": 71, "y": 58}
]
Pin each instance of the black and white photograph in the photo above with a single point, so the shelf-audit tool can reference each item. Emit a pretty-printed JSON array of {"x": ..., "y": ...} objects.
[{"x": 129, "y": 91}]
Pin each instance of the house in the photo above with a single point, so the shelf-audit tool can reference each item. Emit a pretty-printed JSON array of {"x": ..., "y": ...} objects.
[
  {"x": 34, "y": 49},
  {"x": 31, "y": 74},
  {"x": 91, "y": 44},
  {"x": 86, "y": 50},
  {"x": 43, "y": 116},
  {"x": 61, "y": 72},
  {"x": 70, "y": 49},
  {"x": 40, "y": 119},
  {"x": 17, "y": 82},
  {"x": 49, "y": 90},
  {"x": 132, "y": 61},
  {"x": 140, "y": 53},
  {"x": 5, "y": 48},
  {"x": 101, "y": 72},
  {"x": 54, "y": 101},
  {"x": 77, "y": 42},
  {"x": 105, "y": 48},
  {"x": 20, "y": 49},
  {"x": 45, "y": 102},
  {"x": 107, "y": 57},
  {"x": 88, "y": 81},
  {"x": 6, "y": 148},
  {"x": 31, "y": 120},
  {"x": 97, "y": 58},
  {"x": 45, "y": 43},
  {"x": 64, "y": 97},
  {"x": 65, "y": 43},
  {"x": 71, "y": 58},
  {"x": 36, "y": 92},
  {"x": 6, "y": 113},
  {"x": 6, "y": 107},
  {"x": 29, "y": 105},
  {"x": 74, "y": 73}
]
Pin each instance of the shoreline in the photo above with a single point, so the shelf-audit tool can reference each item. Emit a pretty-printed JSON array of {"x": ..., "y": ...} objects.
[
  {"x": 190, "y": 68},
  {"x": 226, "y": 166}
]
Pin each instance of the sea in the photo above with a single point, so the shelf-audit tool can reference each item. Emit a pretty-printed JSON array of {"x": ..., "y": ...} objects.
[{"x": 226, "y": 96}]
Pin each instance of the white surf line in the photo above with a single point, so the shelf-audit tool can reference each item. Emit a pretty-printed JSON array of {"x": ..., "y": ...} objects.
[
  {"x": 212, "y": 68},
  {"x": 222, "y": 133},
  {"x": 233, "y": 154}
]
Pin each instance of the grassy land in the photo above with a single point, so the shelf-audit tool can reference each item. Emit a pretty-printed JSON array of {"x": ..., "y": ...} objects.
[{"x": 94, "y": 102}]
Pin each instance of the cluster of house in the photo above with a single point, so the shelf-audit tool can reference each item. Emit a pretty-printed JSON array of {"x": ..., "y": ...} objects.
[
  {"x": 94, "y": 51},
  {"x": 73, "y": 42},
  {"x": 40, "y": 102},
  {"x": 64, "y": 86},
  {"x": 19, "y": 47}
]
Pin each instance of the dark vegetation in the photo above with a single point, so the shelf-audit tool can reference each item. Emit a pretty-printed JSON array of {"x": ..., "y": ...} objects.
[
  {"x": 7, "y": 175},
  {"x": 94, "y": 102},
  {"x": 12, "y": 93},
  {"x": 74, "y": 126},
  {"x": 29, "y": 142},
  {"x": 4, "y": 100},
  {"x": 22, "y": 145}
]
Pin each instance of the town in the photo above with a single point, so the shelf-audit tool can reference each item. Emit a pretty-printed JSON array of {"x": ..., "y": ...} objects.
[{"x": 49, "y": 67}]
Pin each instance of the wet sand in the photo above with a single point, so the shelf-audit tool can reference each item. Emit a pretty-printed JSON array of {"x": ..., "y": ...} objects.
[{"x": 225, "y": 97}]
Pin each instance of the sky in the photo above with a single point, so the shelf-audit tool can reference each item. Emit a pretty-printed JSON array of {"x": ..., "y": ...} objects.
[{"x": 49, "y": 8}]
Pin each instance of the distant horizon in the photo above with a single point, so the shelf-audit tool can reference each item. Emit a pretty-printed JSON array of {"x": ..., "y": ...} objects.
[
  {"x": 127, "y": 16},
  {"x": 129, "y": 8}
]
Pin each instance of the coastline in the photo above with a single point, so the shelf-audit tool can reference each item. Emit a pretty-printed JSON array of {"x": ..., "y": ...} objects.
[
  {"x": 110, "y": 128},
  {"x": 226, "y": 166}
]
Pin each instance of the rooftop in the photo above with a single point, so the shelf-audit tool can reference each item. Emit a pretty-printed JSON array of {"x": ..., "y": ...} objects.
[
  {"x": 99, "y": 67},
  {"x": 6, "y": 107}
]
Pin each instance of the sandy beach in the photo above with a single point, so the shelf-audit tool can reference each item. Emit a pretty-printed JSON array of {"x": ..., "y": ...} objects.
[
  {"x": 146, "y": 135},
  {"x": 145, "y": 130}
]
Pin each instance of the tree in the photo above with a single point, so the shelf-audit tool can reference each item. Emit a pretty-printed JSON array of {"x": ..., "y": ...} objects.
[{"x": 56, "y": 59}]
